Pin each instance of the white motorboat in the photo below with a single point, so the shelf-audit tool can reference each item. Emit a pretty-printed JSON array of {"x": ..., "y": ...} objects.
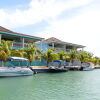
[
  {"x": 15, "y": 71},
  {"x": 87, "y": 67},
  {"x": 4, "y": 71}
]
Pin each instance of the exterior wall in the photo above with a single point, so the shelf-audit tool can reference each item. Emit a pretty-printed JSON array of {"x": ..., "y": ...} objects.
[
  {"x": 44, "y": 47},
  {"x": 41, "y": 46},
  {"x": 23, "y": 63},
  {"x": 38, "y": 63},
  {"x": 58, "y": 48}
]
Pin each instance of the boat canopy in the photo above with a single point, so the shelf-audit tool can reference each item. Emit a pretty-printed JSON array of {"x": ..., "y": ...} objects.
[
  {"x": 59, "y": 61},
  {"x": 17, "y": 58}
]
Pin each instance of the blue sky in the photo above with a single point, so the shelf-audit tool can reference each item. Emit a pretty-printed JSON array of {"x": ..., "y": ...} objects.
[
  {"x": 75, "y": 21},
  {"x": 9, "y": 4}
]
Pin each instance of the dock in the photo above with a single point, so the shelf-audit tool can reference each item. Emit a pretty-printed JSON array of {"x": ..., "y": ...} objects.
[{"x": 74, "y": 68}]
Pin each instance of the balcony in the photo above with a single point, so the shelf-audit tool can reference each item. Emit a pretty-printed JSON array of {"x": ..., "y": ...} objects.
[
  {"x": 58, "y": 49},
  {"x": 19, "y": 45}
]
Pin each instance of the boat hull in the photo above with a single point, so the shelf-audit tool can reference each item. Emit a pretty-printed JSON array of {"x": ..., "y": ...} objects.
[
  {"x": 86, "y": 69},
  {"x": 7, "y": 72},
  {"x": 55, "y": 70}
]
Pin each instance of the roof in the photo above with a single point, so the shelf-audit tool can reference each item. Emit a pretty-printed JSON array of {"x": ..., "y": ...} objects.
[
  {"x": 5, "y": 30},
  {"x": 55, "y": 40}
]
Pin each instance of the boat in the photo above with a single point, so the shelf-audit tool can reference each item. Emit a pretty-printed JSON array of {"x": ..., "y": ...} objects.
[
  {"x": 57, "y": 70},
  {"x": 17, "y": 71},
  {"x": 89, "y": 68},
  {"x": 86, "y": 67},
  {"x": 48, "y": 70},
  {"x": 51, "y": 69},
  {"x": 40, "y": 70}
]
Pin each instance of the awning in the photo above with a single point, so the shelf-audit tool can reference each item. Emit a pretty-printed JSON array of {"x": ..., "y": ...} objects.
[{"x": 17, "y": 58}]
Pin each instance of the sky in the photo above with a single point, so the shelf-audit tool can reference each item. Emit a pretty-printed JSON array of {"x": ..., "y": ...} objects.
[{"x": 75, "y": 21}]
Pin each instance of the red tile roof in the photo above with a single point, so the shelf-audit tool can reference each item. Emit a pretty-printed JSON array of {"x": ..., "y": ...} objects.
[
  {"x": 53, "y": 39},
  {"x": 2, "y": 29}
]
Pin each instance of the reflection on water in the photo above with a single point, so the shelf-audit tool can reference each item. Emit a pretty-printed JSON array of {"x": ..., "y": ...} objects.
[{"x": 72, "y": 85}]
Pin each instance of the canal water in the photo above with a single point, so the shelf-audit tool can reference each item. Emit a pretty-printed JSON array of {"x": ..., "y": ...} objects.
[{"x": 72, "y": 85}]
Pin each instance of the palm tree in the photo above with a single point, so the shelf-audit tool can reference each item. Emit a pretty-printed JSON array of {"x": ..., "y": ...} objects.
[
  {"x": 99, "y": 61},
  {"x": 73, "y": 56},
  {"x": 17, "y": 53},
  {"x": 49, "y": 56},
  {"x": 95, "y": 60},
  {"x": 30, "y": 53},
  {"x": 84, "y": 56},
  {"x": 61, "y": 55},
  {"x": 5, "y": 50},
  {"x": 3, "y": 57},
  {"x": 6, "y": 46}
]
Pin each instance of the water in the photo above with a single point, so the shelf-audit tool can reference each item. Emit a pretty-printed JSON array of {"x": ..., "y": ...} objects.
[{"x": 72, "y": 85}]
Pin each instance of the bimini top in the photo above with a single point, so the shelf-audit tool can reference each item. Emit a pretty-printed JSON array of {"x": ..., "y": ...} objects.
[
  {"x": 17, "y": 58},
  {"x": 55, "y": 40},
  {"x": 9, "y": 32}
]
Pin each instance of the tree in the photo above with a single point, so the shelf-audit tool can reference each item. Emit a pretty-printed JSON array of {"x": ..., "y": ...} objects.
[
  {"x": 61, "y": 55},
  {"x": 5, "y": 50},
  {"x": 30, "y": 53},
  {"x": 17, "y": 53},
  {"x": 73, "y": 56},
  {"x": 6, "y": 46},
  {"x": 95, "y": 60},
  {"x": 3, "y": 57},
  {"x": 49, "y": 56},
  {"x": 84, "y": 56}
]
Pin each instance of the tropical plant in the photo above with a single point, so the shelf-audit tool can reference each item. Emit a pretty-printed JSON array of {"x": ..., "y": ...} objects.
[
  {"x": 3, "y": 57},
  {"x": 73, "y": 56},
  {"x": 30, "y": 53},
  {"x": 5, "y": 50},
  {"x": 84, "y": 56},
  {"x": 6, "y": 46},
  {"x": 17, "y": 53},
  {"x": 49, "y": 56},
  {"x": 61, "y": 55},
  {"x": 95, "y": 60}
]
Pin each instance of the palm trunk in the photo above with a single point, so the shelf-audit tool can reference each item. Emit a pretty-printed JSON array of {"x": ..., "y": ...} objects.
[{"x": 47, "y": 64}]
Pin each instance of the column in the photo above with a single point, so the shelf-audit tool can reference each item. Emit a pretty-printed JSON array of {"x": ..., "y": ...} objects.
[
  {"x": 53, "y": 45},
  {"x": 64, "y": 47},
  {"x": 22, "y": 42},
  {"x": 0, "y": 38},
  {"x": 82, "y": 49}
]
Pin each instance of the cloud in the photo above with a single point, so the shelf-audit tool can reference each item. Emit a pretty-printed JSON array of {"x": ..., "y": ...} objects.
[
  {"x": 81, "y": 29},
  {"x": 38, "y": 10}
]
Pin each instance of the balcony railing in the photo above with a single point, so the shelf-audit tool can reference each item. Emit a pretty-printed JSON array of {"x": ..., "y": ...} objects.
[
  {"x": 20, "y": 45},
  {"x": 58, "y": 49}
]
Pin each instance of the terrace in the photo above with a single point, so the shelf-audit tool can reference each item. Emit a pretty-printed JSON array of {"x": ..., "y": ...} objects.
[
  {"x": 54, "y": 43},
  {"x": 18, "y": 40}
]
